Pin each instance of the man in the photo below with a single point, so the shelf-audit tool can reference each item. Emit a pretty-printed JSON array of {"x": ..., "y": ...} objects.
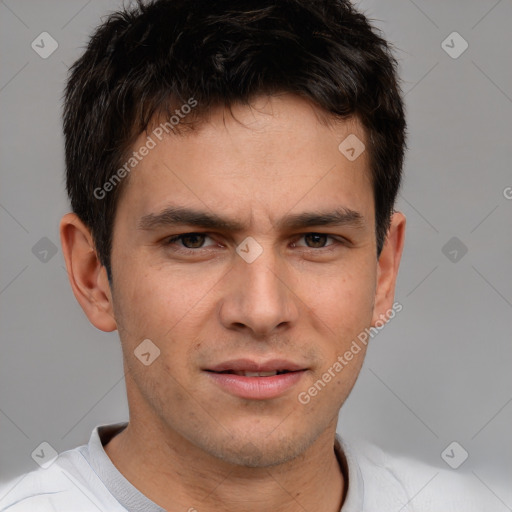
[{"x": 232, "y": 168}]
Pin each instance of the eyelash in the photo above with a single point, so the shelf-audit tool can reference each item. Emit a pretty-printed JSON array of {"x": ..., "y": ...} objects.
[
  {"x": 187, "y": 250},
  {"x": 177, "y": 238}
]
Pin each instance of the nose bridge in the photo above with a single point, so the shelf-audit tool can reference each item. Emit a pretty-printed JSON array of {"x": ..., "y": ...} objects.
[
  {"x": 259, "y": 298},
  {"x": 262, "y": 277}
]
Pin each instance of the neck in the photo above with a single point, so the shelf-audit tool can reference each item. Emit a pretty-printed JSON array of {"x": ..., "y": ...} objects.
[{"x": 176, "y": 475}]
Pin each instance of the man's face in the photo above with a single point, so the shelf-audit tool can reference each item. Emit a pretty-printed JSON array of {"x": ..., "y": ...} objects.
[{"x": 303, "y": 300}]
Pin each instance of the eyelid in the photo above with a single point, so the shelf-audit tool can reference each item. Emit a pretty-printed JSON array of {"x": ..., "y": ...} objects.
[
  {"x": 335, "y": 238},
  {"x": 176, "y": 238}
]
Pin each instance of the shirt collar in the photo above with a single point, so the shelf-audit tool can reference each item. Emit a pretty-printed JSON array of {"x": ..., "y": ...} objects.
[
  {"x": 117, "y": 484},
  {"x": 354, "y": 485}
]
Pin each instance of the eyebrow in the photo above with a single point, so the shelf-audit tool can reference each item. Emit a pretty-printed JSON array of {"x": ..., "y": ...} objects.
[
  {"x": 339, "y": 217},
  {"x": 172, "y": 216}
]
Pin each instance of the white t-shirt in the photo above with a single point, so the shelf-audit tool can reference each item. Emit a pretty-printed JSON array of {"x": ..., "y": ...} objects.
[{"x": 84, "y": 479}]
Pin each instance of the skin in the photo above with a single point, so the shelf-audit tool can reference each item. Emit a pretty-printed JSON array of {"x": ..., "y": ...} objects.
[{"x": 189, "y": 444}]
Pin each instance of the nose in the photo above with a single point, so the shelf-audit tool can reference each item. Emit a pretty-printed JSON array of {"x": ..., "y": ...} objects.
[{"x": 258, "y": 298}]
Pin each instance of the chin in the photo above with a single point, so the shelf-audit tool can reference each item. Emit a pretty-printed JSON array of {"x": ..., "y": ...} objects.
[{"x": 259, "y": 450}]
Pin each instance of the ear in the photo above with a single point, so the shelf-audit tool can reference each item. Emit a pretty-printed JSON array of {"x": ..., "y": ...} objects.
[
  {"x": 387, "y": 268},
  {"x": 87, "y": 276}
]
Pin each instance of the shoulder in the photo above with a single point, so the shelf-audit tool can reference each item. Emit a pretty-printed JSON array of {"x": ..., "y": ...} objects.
[
  {"x": 41, "y": 490},
  {"x": 69, "y": 480},
  {"x": 414, "y": 486}
]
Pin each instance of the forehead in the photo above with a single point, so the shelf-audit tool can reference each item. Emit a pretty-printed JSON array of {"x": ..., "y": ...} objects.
[{"x": 272, "y": 157}]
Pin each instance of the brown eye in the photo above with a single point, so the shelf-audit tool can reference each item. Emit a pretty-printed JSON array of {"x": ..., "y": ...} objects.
[
  {"x": 193, "y": 240},
  {"x": 315, "y": 240}
]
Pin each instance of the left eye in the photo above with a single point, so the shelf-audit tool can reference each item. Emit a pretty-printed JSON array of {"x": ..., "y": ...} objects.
[
  {"x": 316, "y": 240},
  {"x": 190, "y": 240}
]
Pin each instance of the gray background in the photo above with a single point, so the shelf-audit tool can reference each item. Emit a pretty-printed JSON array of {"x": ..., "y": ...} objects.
[{"x": 439, "y": 372}]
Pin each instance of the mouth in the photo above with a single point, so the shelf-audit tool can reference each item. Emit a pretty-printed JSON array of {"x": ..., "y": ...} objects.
[
  {"x": 244, "y": 373},
  {"x": 254, "y": 380},
  {"x": 247, "y": 366}
]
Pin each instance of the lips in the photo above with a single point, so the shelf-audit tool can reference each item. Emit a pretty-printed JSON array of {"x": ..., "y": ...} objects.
[
  {"x": 255, "y": 380},
  {"x": 256, "y": 374},
  {"x": 241, "y": 366}
]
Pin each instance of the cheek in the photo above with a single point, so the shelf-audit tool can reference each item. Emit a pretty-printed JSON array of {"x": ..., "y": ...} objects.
[
  {"x": 164, "y": 305},
  {"x": 344, "y": 302}
]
